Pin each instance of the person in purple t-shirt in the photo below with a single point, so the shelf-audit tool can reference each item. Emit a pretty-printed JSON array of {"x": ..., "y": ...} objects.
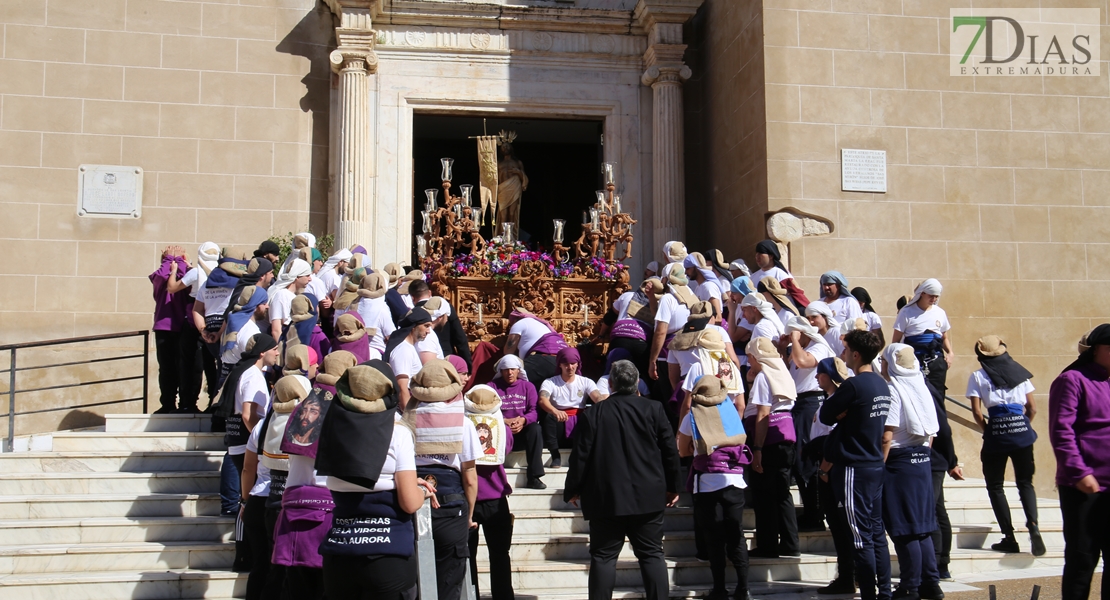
[
  {"x": 1079, "y": 428},
  {"x": 169, "y": 321},
  {"x": 518, "y": 404}
]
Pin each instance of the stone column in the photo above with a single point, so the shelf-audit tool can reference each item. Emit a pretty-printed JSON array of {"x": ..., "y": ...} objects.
[
  {"x": 354, "y": 60},
  {"x": 667, "y": 152},
  {"x": 664, "y": 72}
]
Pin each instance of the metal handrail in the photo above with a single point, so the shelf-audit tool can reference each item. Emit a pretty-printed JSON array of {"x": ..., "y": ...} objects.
[
  {"x": 13, "y": 368},
  {"x": 956, "y": 402}
]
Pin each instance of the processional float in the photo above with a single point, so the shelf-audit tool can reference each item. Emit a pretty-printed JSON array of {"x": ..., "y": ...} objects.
[{"x": 571, "y": 287}]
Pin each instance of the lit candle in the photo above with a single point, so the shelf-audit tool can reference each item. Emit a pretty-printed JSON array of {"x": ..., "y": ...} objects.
[
  {"x": 466, "y": 191},
  {"x": 445, "y": 175},
  {"x": 479, "y": 321},
  {"x": 585, "y": 314},
  {"x": 558, "y": 236}
]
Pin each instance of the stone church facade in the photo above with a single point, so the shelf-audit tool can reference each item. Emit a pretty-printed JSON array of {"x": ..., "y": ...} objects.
[{"x": 254, "y": 117}]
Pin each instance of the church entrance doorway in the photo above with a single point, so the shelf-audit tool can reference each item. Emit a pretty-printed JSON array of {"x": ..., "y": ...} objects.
[{"x": 561, "y": 158}]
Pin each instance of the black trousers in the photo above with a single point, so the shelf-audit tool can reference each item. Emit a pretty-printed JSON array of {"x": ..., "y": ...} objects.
[
  {"x": 192, "y": 369},
  {"x": 942, "y": 537},
  {"x": 495, "y": 520},
  {"x": 841, "y": 534},
  {"x": 170, "y": 349},
  {"x": 303, "y": 583},
  {"x": 938, "y": 373},
  {"x": 723, "y": 539},
  {"x": 639, "y": 349},
  {"x": 1086, "y": 537},
  {"x": 554, "y": 434},
  {"x": 450, "y": 535},
  {"x": 254, "y": 522},
  {"x": 531, "y": 440},
  {"x": 204, "y": 362},
  {"x": 994, "y": 471},
  {"x": 776, "y": 524},
  {"x": 370, "y": 577},
  {"x": 805, "y": 467},
  {"x": 275, "y": 578},
  {"x": 860, "y": 489},
  {"x": 540, "y": 368},
  {"x": 645, "y": 534}
]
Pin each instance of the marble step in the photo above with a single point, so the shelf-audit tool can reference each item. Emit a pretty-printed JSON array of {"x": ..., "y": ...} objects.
[
  {"x": 551, "y": 522},
  {"x": 81, "y": 506},
  {"x": 786, "y": 590},
  {"x": 101, "y": 441},
  {"x": 117, "y": 529},
  {"x": 133, "y": 423},
  {"x": 144, "y": 556},
  {"x": 685, "y": 572},
  {"x": 128, "y": 461},
  {"x": 137, "y": 585},
  {"x": 108, "y": 483},
  {"x": 575, "y": 546}
]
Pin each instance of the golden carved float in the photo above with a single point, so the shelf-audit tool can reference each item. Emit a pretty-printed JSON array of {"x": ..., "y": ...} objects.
[{"x": 485, "y": 280}]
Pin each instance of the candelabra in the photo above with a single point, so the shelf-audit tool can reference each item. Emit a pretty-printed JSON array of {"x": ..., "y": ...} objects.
[{"x": 451, "y": 226}]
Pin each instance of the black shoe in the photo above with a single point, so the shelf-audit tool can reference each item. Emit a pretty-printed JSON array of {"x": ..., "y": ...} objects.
[
  {"x": 556, "y": 460},
  {"x": 188, "y": 410},
  {"x": 761, "y": 553},
  {"x": 717, "y": 594},
  {"x": 1008, "y": 545},
  {"x": 930, "y": 591},
  {"x": 704, "y": 557},
  {"x": 811, "y": 527},
  {"x": 741, "y": 595},
  {"x": 905, "y": 593},
  {"x": 1037, "y": 542},
  {"x": 165, "y": 410},
  {"x": 838, "y": 587},
  {"x": 535, "y": 484},
  {"x": 794, "y": 554},
  {"x": 945, "y": 574}
]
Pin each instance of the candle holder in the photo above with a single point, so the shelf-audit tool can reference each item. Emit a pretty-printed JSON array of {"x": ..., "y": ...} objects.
[
  {"x": 508, "y": 234},
  {"x": 427, "y": 221},
  {"x": 458, "y": 210},
  {"x": 479, "y": 321},
  {"x": 557, "y": 237},
  {"x": 431, "y": 194},
  {"x": 609, "y": 171},
  {"x": 466, "y": 190},
  {"x": 594, "y": 217},
  {"x": 421, "y": 247},
  {"x": 447, "y": 164},
  {"x": 475, "y": 216},
  {"x": 585, "y": 316},
  {"x": 559, "y": 252},
  {"x": 617, "y": 204}
]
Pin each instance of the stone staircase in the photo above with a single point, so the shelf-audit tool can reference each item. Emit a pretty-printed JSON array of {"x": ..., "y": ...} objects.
[{"x": 133, "y": 512}]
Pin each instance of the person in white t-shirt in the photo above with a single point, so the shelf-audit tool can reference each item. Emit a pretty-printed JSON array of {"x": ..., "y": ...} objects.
[
  {"x": 769, "y": 260},
  {"x": 373, "y": 309},
  {"x": 561, "y": 397},
  {"x": 874, "y": 323},
  {"x": 835, "y": 293},
  {"x": 402, "y": 354},
  {"x": 256, "y": 478},
  {"x": 716, "y": 488},
  {"x": 708, "y": 287},
  {"x": 292, "y": 281},
  {"x": 524, "y": 340},
  {"x": 923, "y": 324},
  {"x": 671, "y": 314},
  {"x": 1002, "y": 389}
]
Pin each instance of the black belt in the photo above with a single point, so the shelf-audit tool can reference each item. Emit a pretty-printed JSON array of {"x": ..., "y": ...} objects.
[{"x": 810, "y": 395}]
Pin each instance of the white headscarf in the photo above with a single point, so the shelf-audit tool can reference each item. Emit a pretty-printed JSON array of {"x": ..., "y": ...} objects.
[
  {"x": 764, "y": 307},
  {"x": 929, "y": 286},
  {"x": 741, "y": 266},
  {"x": 797, "y": 323},
  {"x": 653, "y": 266},
  {"x": 333, "y": 260},
  {"x": 443, "y": 310},
  {"x": 919, "y": 416},
  {"x": 818, "y": 307},
  {"x": 706, "y": 272},
  {"x": 674, "y": 251},
  {"x": 208, "y": 257},
  {"x": 296, "y": 268},
  {"x": 308, "y": 237},
  {"x": 511, "y": 361}
]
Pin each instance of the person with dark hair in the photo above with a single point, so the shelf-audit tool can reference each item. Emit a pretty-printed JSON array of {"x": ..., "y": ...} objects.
[
  {"x": 943, "y": 460},
  {"x": 834, "y": 292},
  {"x": 769, "y": 260},
  {"x": 561, "y": 399},
  {"x": 305, "y": 429},
  {"x": 624, "y": 472},
  {"x": 1002, "y": 387},
  {"x": 831, "y": 372},
  {"x": 401, "y": 352},
  {"x": 854, "y": 449},
  {"x": 874, "y": 323},
  {"x": 174, "y": 349},
  {"x": 1079, "y": 418}
]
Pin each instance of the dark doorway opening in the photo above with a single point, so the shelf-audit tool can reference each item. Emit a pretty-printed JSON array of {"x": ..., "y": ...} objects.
[{"x": 562, "y": 159}]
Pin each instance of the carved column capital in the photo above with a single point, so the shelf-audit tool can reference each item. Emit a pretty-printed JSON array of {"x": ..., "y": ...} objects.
[
  {"x": 356, "y": 41},
  {"x": 670, "y": 73},
  {"x": 353, "y": 59}
]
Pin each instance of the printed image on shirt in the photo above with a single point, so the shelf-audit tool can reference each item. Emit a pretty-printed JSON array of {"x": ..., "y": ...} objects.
[
  {"x": 491, "y": 435},
  {"x": 306, "y": 421}
]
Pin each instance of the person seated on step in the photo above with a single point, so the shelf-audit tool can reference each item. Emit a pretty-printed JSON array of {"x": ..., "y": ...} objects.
[
  {"x": 561, "y": 398},
  {"x": 519, "y": 403}
]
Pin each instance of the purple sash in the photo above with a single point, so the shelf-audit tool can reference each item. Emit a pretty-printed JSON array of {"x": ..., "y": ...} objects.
[
  {"x": 666, "y": 342},
  {"x": 730, "y": 460},
  {"x": 678, "y": 396},
  {"x": 780, "y": 428},
  {"x": 628, "y": 328},
  {"x": 303, "y": 523},
  {"x": 551, "y": 343},
  {"x": 571, "y": 423},
  {"x": 320, "y": 343}
]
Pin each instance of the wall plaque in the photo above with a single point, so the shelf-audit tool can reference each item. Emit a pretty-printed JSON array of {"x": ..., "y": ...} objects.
[
  {"x": 110, "y": 191},
  {"x": 862, "y": 170}
]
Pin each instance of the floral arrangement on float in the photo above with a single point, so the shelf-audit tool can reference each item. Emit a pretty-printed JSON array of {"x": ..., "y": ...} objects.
[{"x": 503, "y": 261}]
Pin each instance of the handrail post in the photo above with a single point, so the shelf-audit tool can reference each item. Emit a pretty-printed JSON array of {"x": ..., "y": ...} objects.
[
  {"x": 11, "y": 404},
  {"x": 146, "y": 368},
  {"x": 426, "y": 554}
]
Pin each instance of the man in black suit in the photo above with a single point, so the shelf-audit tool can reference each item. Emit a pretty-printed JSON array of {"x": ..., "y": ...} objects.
[{"x": 624, "y": 470}]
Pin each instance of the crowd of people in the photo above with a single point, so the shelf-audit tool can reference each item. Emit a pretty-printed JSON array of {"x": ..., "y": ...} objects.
[{"x": 350, "y": 395}]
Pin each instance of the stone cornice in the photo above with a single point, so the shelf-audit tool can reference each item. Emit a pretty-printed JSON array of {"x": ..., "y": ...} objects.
[
  {"x": 434, "y": 13},
  {"x": 650, "y": 12}
]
